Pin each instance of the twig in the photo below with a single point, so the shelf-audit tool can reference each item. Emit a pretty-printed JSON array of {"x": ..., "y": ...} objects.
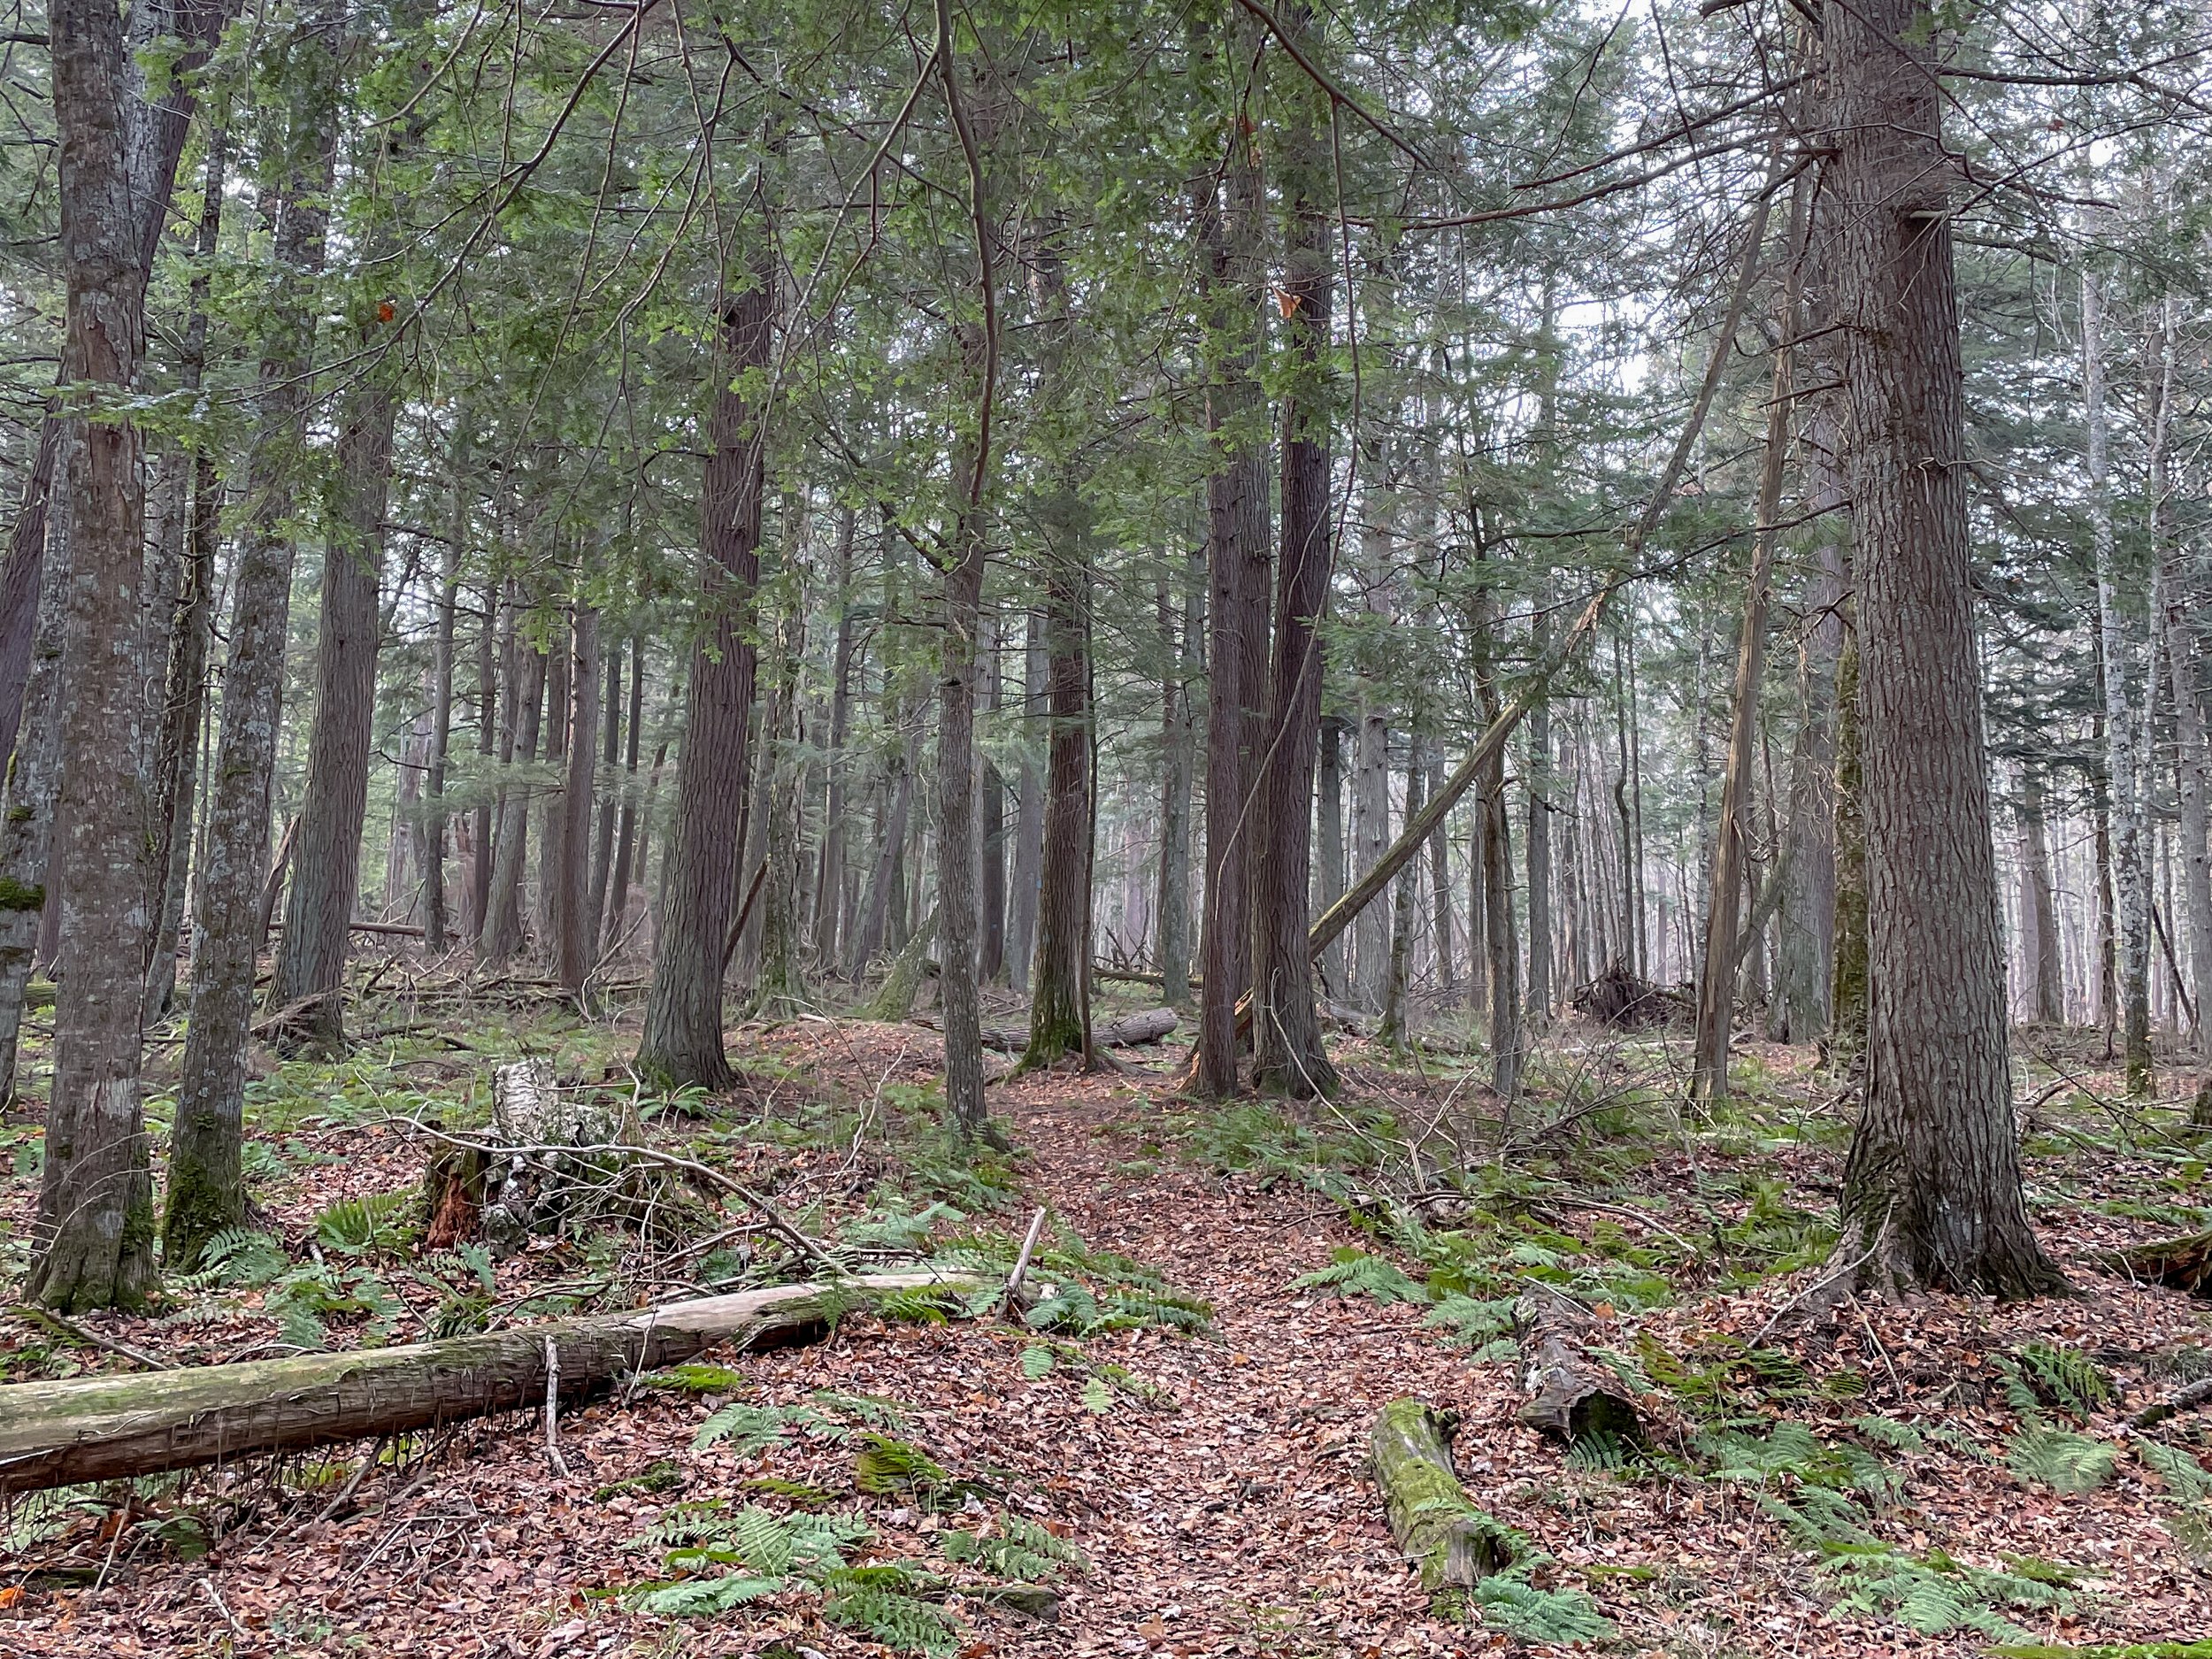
[
  {"x": 644, "y": 1347},
  {"x": 352, "y": 1485},
  {"x": 77, "y": 1333},
  {"x": 230, "y": 1618},
  {"x": 1021, "y": 1263},
  {"x": 553, "y": 1408},
  {"x": 2195, "y": 1395}
]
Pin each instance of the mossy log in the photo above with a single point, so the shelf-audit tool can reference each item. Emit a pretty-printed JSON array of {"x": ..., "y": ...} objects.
[
  {"x": 2183, "y": 1263},
  {"x": 1570, "y": 1395},
  {"x": 1439, "y": 1530},
  {"x": 105, "y": 1428},
  {"x": 1150, "y": 1027}
]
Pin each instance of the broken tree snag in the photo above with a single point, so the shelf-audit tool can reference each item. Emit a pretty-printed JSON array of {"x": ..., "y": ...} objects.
[
  {"x": 105, "y": 1428},
  {"x": 1436, "y": 1525},
  {"x": 2184, "y": 1264},
  {"x": 1571, "y": 1396}
]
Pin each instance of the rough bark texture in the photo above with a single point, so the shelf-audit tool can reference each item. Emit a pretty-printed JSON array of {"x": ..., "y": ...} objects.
[
  {"x": 92, "y": 1241},
  {"x": 1029, "y": 811},
  {"x": 1328, "y": 852},
  {"x": 1436, "y": 1524},
  {"x": 1178, "y": 737},
  {"x": 518, "y": 742},
  {"x": 683, "y": 1013},
  {"x": 1289, "y": 1056},
  {"x": 1932, "y": 1187},
  {"x": 1571, "y": 1396},
  {"x": 829, "y": 885},
  {"x": 2188, "y": 596},
  {"x": 571, "y": 910},
  {"x": 311, "y": 960},
  {"x": 206, "y": 1190},
  {"x": 436, "y": 923},
  {"x": 1059, "y": 1005},
  {"x": 1237, "y": 570},
  {"x": 2039, "y": 908},
  {"x": 106, "y": 1428}
]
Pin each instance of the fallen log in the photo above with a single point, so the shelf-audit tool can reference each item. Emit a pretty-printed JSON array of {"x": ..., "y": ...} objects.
[
  {"x": 1437, "y": 1526},
  {"x": 2183, "y": 1263},
  {"x": 1572, "y": 1396},
  {"x": 1151, "y": 1025},
  {"x": 105, "y": 1428}
]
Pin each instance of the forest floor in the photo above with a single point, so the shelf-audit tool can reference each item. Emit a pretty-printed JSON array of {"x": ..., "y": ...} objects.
[{"x": 1180, "y": 1457}]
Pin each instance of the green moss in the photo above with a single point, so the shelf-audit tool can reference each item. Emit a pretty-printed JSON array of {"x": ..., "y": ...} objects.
[
  {"x": 201, "y": 1205},
  {"x": 19, "y": 815},
  {"x": 21, "y": 896}
]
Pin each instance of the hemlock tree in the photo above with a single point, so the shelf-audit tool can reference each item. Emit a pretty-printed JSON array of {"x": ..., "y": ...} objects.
[{"x": 1932, "y": 1191}]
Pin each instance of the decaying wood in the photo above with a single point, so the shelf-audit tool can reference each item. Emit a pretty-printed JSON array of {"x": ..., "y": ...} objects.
[
  {"x": 1571, "y": 1396},
  {"x": 1619, "y": 999},
  {"x": 105, "y": 1428},
  {"x": 2183, "y": 1263},
  {"x": 2182, "y": 1400},
  {"x": 1151, "y": 1025},
  {"x": 1437, "y": 1526}
]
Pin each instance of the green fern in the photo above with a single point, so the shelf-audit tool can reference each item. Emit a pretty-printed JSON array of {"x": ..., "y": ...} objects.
[
  {"x": 1482, "y": 1323},
  {"x": 241, "y": 1259},
  {"x": 1356, "y": 1273},
  {"x": 2061, "y": 1459},
  {"x": 1935, "y": 1595},
  {"x": 1036, "y": 1363},
  {"x": 2182, "y": 1474},
  {"x": 1510, "y": 1604},
  {"x": 871, "y": 1409},
  {"x": 879, "y": 1601},
  {"x": 1898, "y": 1436},
  {"x": 375, "y": 1224},
  {"x": 1022, "y": 1550},
  {"x": 745, "y": 1429},
  {"x": 701, "y": 1598},
  {"x": 2068, "y": 1377},
  {"x": 885, "y": 1467}
]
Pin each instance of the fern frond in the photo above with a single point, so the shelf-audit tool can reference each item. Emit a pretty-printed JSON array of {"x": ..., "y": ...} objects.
[
  {"x": 893, "y": 1617},
  {"x": 747, "y": 1428},
  {"x": 2067, "y": 1375},
  {"x": 1518, "y": 1607},
  {"x": 2182, "y": 1474},
  {"x": 1356, "y": 1273},
  {"x": 2061, "y": 1459}
]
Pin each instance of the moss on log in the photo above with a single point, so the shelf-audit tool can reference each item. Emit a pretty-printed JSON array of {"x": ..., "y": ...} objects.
[
  {"x": 101, "y": 1428},
  {"x": 2183, "y": 1263},
  {"x": 1454, "y": 1544}
]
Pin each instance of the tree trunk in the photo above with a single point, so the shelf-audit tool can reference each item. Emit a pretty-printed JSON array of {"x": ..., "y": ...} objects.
[
  {"x": 206, "y": 1187},
  {"x": 1289, "y": 1056},
  {"x": 682, "y": 1043},
  {"x": 2187, "y": 597},
  {"x": 626, "y": 833},
  {"x": 1233, "y": 274},
  {"x": 1542, "y": 781},
  {"x": 829, "y": 885},
  {"x": 1932, "y": 1189},
  {"x": 1434, "y": 1523},
  {"x": 571, "y": 864},
  {"x": 487, "y": 740},
  {"x": 1440, "y": 890},
  {"x": 779, "y": 987},
  {"x": 1397, "y": 1020},
  {"x": 2129, "y": 863},
  {"x": 1029, "y": 809},
  {"x": 552, "y": 824},
  {"x": 992, "y": 965},
  {"x": 311, "y": 959},
  {"x": 2038, "y": 921},
  {"x": 1329, "y": 851},
  {"x": 1178, "y": 737},
  {"x": 602, "y": 837},
  {"x": 436, "y": 925},
  {"x": 527, "y": 677}
]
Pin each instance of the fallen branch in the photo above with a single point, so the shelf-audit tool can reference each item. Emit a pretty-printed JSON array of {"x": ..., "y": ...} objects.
[
  {"x": 1438, "y": 1528},
  {"x": 1151, "y": 1025},
  {"x": 106, "y": 1428},
  {"x": 2195, "y": 1395},
  {"x": 1571, "y": 1395},
  {"x": 2183, "y": 1263}
]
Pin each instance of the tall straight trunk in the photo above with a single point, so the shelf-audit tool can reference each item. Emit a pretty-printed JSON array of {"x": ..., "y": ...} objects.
[
  {"x": 1397, "y": 1019},
  {"x": 1029, "y": 810},
  {"x": 487, "y": 740},
  {"x": 311, "y": 959},
  {"x": 992, "y": 963},
  {"x": 1231, "y": 239},
  {"x": 829, "y": 886},
  {"x": 884, "y": 880},
  {"x": 92, "y": 1241},
  {"x": 682, "y": 1043},
  {"x": 779, "y": 987},
  {"x": 1508, "y": 1036},
  {"x": 1370, "y": 838},
  {"x": 1440, "y": 890},
  {"x": 436, "y": 925},
  {"x": 1931, "y": 1189},
  {"x": 1541, "y": 783},
  {"x": 602, "y": 838},
  {"x": 1478, "y": 903},
  {"x": 206, "y": 1186},
  {"x": 2121, "y": 759},
  {"x": 503, "y": 932},
  {"x": 2108, "y": 925},
  {"x": 2038, "y": 919},
  {"x": 1329, "y": 850},
  {"x": 1178, "y": 736},
  {"x": 2186, "y": 595},
  {"x": 1806, "y": 922},
  {"x": 570, "y": 874},
  {"x": 552, "y": 826},
  {"x": 1059, "y": 985},
  {"x": 1847, "y": 995},
  {"x": 1288, "y": 1055},
  {"x": 625, "y": 832}
]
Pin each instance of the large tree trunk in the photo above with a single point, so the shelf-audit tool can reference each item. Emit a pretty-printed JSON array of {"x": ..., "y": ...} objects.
[
  {"x": 992, "y": 962},
  {"x": 572, "y": 864},
  {"x": 829, "y": 885},
  {"x": 1328, "y": 882},
  {"x": 1289, "y": 1056},
  {"x": 1541, "y": 782},
  {"x": 1932, "y": 1192},
  {"x": 2129, "y": 863},
  {"x": 110, "y": 1427},
  {"x": 779, "y": 987},
  {"x": 602, "y": 837},
  {"x": 2186, "y": 597},
  {"x": 1397, "y": 1016},
  {"x": 618, "y": 907},
  {"x": 526, "y": 679},
  {"x": 435, "y": 816},
  {"x": 487, "y": 741},
  {"x": 206, "y": 1188},
  {"x": 682, "y": 1043},
  {"x": 311, "y": 960},
  {"x": 92, "y": 1241},
  {"x": 1237, "y": 520},
  {"x": 552, "y": 826}
]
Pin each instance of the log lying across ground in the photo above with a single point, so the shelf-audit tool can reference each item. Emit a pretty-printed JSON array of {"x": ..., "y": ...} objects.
[
  {"x": 1572, "y": 1395},
  {"x": 2183, "y": 1263},
  {"x": 1151, "y": 1025},
  {"x": 1438, "y": 1528},
  {"x": 103, "y": 1428}
]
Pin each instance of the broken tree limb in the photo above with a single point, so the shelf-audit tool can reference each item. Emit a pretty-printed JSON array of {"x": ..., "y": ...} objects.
[
  {"x": 1438, "y": 1528},
  {"x": 1571, "y": 1396},
  {"x": 2186, "y": 1400},
  {"x": 2183, "y": 1263},
  {"x": 1422, "y": 825},
  {"x": 1150, "y": 1027},
  {"x": 105, "y": 1428}
]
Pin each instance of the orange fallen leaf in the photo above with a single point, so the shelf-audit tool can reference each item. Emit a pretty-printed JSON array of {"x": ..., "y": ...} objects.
[{"x": 10, "y": 1596}]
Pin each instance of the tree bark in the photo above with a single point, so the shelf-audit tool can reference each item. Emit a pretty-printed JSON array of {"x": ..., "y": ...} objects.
[
  {"x": 1329, "y": 851},
  {"x": 1288, "y": 1055},
  {"x": 682, "y": 1043},
  {"x": 1931, "y": 1189},
  {"x": 527, "y": 677},
  {"x": 625, "y": 832},
  {"x": 1431, "y": 1520},
  {"x": 1178, "y": 736},
  {"x": 602, "y": 837},
  {"x": 2038, "y": 921},
  {"x": 436, "y": 816},
  {"x": 206, "y": 1187},
  {"x": 571, "y": 865},
  {"x": 829, "y": 885},
  {"x": 1231, "y": 239}
]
